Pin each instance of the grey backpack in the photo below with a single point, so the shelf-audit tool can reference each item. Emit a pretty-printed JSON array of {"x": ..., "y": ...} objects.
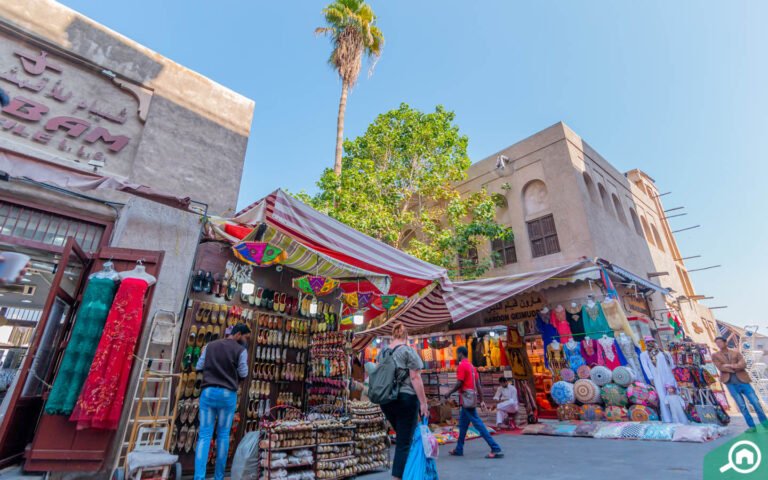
[{"x": 385, "y": 380}]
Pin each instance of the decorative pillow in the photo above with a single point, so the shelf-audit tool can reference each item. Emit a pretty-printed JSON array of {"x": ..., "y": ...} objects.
[
  {"x": 600, "y": 375},
  {"x": 568, "y": 411},
  {"x": 633, "y": 431},
  {"x": 690, "y": 433},
  {"x": 641, "y": 394},
  {"x": 616, "y": 414},
  {"x": 641, "y": 413},
  {"x": 586, "y": 391},
  {"x": 562, "y": 392},
  {"x": 565, "y": 430},
  {"x": 586, "y": 429},
  {"x": 583, "y": 371},
  {"x": 623, "y": 376},
  {"x": 533, "y": 429},
  {"x": 614, "y": 395},
  {"x": 659, "y": 431},
  {"x": 592, "y": 413},
  {"x": 567, "y": 375},
  {"x": 610, "y": 430}
]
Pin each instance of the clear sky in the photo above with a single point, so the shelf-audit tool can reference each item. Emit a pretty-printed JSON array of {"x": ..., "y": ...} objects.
[{"x": 676, "y": 88}]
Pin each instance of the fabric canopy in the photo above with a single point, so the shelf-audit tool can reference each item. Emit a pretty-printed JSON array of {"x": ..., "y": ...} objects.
[{"x": 46, "y": 172}]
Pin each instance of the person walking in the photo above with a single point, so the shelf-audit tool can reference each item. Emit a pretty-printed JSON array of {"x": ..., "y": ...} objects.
[
  {"x": 403, "y": 413},
  {"x": 506, "y": 396},
  {"x": 734, "y": 375},
  {"x": 224, "y": 364},
  {"x": 470, "y": 394}
]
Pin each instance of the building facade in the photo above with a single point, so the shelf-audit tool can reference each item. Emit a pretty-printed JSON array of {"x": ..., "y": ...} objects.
[
  {"x": 564, "y": 201},
  {"x": 108, "y": 152}
]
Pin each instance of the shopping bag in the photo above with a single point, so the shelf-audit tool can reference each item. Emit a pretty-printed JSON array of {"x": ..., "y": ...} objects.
[
  {"x": 428, "y": 440},
  {"x": 705, "y": 410},
  {"x": 245, "y": 463},
  {"x": 418, "y": 466}
]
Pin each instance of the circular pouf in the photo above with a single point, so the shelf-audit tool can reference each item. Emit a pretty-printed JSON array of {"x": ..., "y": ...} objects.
[
  {"x": 583, "y": 371},
  {"x": 586, "y": 391},
  {"x": 568, "y": 375},
  {"x": 616, "y": 414},
  {"x": 641, "y": 413},
  {"x": 600, "y": 375},
  {"x": 562, "y": 392},
  {"x": 640, "y": 393},
  {"x": 569, "y": 411},
  {"x": 592, "y": 413},
  {"x": 623, "y": 376},
  {"x": 614, "y": 395}
]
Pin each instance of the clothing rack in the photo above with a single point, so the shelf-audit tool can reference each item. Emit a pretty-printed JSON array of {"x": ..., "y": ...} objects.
[{"x": 585, "y": 335}]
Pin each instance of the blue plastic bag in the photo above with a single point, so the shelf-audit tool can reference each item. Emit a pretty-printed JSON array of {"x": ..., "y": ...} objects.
[{"x": 418, "y": 466}]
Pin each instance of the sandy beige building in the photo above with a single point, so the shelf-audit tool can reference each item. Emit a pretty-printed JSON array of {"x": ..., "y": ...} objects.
[{"x": 565, "y": 201}]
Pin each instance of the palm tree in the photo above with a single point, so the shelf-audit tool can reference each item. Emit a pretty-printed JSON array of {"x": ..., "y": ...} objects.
[{"x": 351, "y": 25}]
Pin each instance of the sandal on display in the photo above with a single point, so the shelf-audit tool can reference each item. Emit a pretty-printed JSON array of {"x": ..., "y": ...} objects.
[
  {"x": 198, "y": 385},
  {"x": 181, "y": 440},
  {"x": 217, "y": 285},
  {"x": 189, "y": 384},
  {"x": 191, "y": 438},
  {"x": 197, "y": 281},
  {"x": 231, "y": 290},
  {"x": 208, "y": 334},
  {"x": 208, "y": 283},
  {"x": 192, "y": 410}
]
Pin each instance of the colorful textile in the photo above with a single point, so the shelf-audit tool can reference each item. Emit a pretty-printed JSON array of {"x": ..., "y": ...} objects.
[
  {"x": 614, "y": 395},
  {"x": 623, "y": 376},
  {"x": 392, "y": 302},
  {"x": 616, "y": 414},
  {"x": 101, "y": 401},
  {"x": 641, "y": 413},
  {"x": 642, "y": 394},
  {"x": 659, "y": 431},
  {"x": 562, "y": 392},
  {"x": 568, "y": 375},
  {"x": 573, "y": 354},
  {"x": 81, "y": 348},
  {"x": 592, "y": 413},
  {"x": 600, "y": 375},
  {"x": 595, "y": 324},
  {"x": 586, "y": 391},
  {"x": 592, "y": 352},
  {"x": 558, "y": 318},
  {"x": 261, "y": 254},
  {"x": 568, "y": 411},
  {"x": 586, "y": 430},
  {"x": 633, "y": 431},
  {"x": 608, "y": 430},
  {"x": 565, "y": 430},
  {"x": 315, "y": 284},
  {"x": 358, "y": 300},
  {"x": 584, "y": 372}
]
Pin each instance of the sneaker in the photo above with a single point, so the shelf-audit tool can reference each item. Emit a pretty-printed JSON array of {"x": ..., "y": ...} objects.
[{"x": 751, "y": 430}]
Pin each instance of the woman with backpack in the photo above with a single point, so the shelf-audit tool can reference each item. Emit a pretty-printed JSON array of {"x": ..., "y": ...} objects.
[{"x": 403, "y": 413}]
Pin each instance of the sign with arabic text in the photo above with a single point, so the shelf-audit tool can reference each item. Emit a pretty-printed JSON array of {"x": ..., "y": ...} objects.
[
  {"x": 73, "y": 113},
  {"x": 520, "y": 308}
]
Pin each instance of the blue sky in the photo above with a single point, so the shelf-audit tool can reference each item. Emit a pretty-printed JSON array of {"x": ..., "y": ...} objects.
[{"x": 677, "y": 89}]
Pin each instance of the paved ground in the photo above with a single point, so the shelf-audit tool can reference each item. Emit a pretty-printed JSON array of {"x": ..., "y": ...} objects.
[{"x": 559, "y": 458}]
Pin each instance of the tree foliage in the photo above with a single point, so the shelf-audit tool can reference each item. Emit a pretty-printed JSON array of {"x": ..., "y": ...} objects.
[{"x": 399, "y": 185}]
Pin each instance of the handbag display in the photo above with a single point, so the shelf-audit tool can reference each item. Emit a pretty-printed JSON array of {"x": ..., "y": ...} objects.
[
  {"x": 682, "y": 374},
  {"x": 705, "y": 409}
]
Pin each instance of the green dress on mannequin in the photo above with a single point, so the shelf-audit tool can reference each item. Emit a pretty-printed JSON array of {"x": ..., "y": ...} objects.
[{"x": 79, "y": 353}]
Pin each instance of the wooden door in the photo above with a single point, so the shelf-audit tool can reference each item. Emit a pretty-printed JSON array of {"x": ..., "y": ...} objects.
[{"x": 57, "y": 445}]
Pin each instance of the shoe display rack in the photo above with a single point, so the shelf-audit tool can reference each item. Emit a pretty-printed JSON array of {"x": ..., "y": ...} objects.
[
  {"x": 330, "y": 369},
  {"x": 371, "y": 437}
]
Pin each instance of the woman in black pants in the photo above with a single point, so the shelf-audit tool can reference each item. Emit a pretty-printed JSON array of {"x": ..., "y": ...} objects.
[{"x": 403, "y": 413}]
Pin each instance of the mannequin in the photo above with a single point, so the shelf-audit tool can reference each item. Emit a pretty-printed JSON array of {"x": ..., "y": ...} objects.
[
  {"x": 556, "y": 357},
  {"x": 590, "y": 301},
  {"x": 575, "y": 320},
  {"x": 629, "y": 351},
  {"x": 617, "y": 320},
  {"x": 107, "y": 271},
  {"x": 657, "y": 365},
  {"x": 139, "y": 272},
  {"x": 559, "y": 319},
  {"x": 573, "y": 354}
]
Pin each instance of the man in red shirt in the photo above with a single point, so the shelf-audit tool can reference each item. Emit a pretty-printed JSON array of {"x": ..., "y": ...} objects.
[{"x": 467, "y": 382}]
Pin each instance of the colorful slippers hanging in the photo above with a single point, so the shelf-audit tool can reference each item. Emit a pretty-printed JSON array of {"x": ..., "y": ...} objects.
[
  {"x": 317, "y": 285},
  {"x": 261, "y": 254}
]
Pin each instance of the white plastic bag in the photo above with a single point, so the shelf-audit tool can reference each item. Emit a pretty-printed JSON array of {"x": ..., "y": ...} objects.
[
  {"x": 429, "y": 442},
  {"x": 245, "y": 462}
]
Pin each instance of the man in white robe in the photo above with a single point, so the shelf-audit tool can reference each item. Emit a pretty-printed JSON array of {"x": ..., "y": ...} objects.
[{"x": 657, "y": 366}]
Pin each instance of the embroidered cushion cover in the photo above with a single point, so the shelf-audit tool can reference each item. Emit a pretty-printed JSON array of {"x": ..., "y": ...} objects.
[
  {"x": 562, "y": 392},
  {"x": 601, "y": 375},
  {"x": 614, "y": 396},
  {"x": 586, "y": 391}
]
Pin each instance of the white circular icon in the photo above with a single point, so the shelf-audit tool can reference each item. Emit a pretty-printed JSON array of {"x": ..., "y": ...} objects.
[{"x": 744, "y": 457}]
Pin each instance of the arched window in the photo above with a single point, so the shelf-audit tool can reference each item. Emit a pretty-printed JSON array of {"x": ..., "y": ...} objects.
[
  {"x": 636, "y": 221},
  {"x": 590, "y": 187},
  {"x": 604, "y": 198},
  {"x": 535, "y": 198},
  {"x": 619, "y": 209},
  {"x": 647, "y": 231},
  {"x": 657, "y": 238}
]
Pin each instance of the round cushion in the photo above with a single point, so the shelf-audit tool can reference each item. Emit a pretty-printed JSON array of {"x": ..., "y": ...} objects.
[
  {"x": 614, "y": 395},
  {"x": 569, "y": 411},
  {"x": 568, "y": 375},
  {"x": 616, "y": 414},
  {"x": 586, "y": 391},
  {"x": 562, "y": 392},
  {"x": 600, "y": 375},
  {"x": 640, "y": 393},
  {"x": 583, "y": 371},
  {"x": 623, "y": 376},
  {"x": 641, "y": 413},
  {"x": 592, "y": 413}
]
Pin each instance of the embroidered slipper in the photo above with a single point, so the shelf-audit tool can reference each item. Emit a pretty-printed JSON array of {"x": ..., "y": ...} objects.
[
  {"x": 197, "y": 281},
  {"x": 192, "y": 410},
  {"x": 198, "y": 385},
  {"x": 494, "y": 455},
  {"x": 231, "y": 290},
  {"x": 217, "y": 285},
  {"x": 208, "y": 283},
  {"x": 257, "y": 297},
  {"x": 454, "y": 453},
  {"x": 191, "y": 439},
  {"x": 192, "y": 336},
  {"x": 189, "y": 385},
  {"x": 182, "y": 438}
]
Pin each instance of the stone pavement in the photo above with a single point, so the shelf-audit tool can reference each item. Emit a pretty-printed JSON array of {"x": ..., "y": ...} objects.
[{"x": 560, "y": 458}]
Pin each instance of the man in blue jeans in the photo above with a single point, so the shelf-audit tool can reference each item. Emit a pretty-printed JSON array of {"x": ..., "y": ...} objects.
[
  {"x": 734, "y": 375},
  {"x": 224, "y": 364},
  {"x": 467, "y": 379}
]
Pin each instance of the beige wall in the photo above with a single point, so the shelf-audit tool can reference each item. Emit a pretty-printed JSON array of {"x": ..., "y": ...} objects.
[{"x": 586, "y": 224}]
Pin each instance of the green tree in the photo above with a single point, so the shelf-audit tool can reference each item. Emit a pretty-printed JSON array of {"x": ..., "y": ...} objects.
[
  {"x": 351, "y": 26},
  {"x": 399, "y": 186}
]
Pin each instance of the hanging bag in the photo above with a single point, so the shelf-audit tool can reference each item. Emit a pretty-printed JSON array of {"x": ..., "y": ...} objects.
[
  {"x": 469, "y": 395},
  {"x": 428, "y": 440},
  {"x": 706, "y": 410},
  {"x": 682, "y": 374},
  {"x": 722, "y": 417}
]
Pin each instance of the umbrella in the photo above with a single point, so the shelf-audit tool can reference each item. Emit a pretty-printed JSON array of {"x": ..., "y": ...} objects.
[
  {"x": 318, "y": 285},
  {"x": 261, "y": 254}
]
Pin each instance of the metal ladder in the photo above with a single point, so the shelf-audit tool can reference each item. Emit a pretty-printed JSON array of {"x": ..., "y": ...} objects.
[
  {"x": 756, "y": 368},
  {"x": 153, "y": 398}
]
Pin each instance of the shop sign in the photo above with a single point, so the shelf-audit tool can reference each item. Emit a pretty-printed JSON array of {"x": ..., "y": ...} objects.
[
  {"x": 636, "y": 306},
  {"x": 521, "y": 308},
  {"x": 71, "y": 113}
]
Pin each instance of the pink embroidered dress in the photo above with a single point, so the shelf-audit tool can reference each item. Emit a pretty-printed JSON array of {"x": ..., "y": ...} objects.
[
  {"x": 559, "y": 319},
  {"x": 591, "y": 352},
  {"x": 610, "y": 354}
]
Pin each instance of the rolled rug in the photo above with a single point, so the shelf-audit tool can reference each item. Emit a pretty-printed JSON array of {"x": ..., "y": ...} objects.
[
  {"x": 568, "y": 375},
  {"x": 562, "y": 392},
  {"x": 583, "y": 371},
  {"x": 614, "y": 395},
  {"x": 600, "y": 375},
  {"x": 569, "y": 411},
  {"x": 586, "y": 391},
  {"x": 623, "y": 376},
  {"x": 616, "y": 414},
  {"x": 640, "y": 393},
  {"x": 592, "y": 413},
  {"x": 641, "y": 413}
]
